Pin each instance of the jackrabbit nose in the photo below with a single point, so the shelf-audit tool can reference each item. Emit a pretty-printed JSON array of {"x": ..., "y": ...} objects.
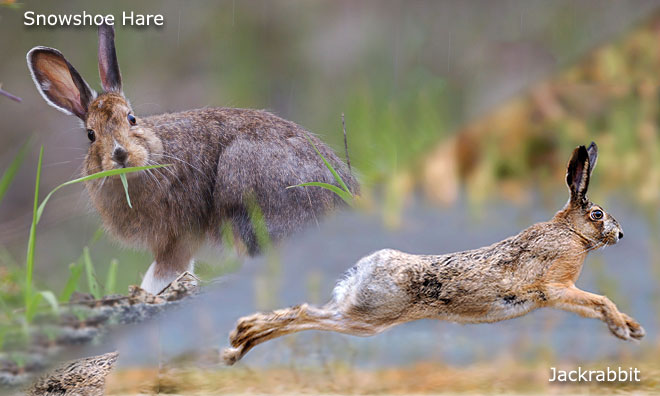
[
  {"x": 620, "y": 234},
  {"x": 120, "y": 155}
]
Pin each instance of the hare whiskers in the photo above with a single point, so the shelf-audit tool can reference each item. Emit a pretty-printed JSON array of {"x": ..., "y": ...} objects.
[
  {"x": 185, "y": 162},
  {"x": 165, "y": 169},
  {"x": 153, "y": 177},
  {"x": 595, "y": 247},
  {"x": 153, "y": 172},
  {"x": 220, "y": 156}
]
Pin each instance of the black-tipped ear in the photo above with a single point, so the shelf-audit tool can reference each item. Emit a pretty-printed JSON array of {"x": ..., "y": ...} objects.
[
  {"x": 577, "y": 174},
  {"x": 108, "y": 64},
  {"x": 593, "y": 156},
  {"x": 58, "y": 82}
]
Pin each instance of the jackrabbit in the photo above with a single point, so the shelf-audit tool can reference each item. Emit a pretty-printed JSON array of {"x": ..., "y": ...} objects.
[
  {"x": 225, "y": 163},
  {"x": 536, "y": 268}
]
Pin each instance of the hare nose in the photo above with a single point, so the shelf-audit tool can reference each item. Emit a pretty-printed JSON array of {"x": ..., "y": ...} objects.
[
  {"x": 620, "y": 234},
  {"x": 120, "y": 155}
]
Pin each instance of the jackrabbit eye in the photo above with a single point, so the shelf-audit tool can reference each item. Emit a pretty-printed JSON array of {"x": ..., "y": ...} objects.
[
  {"x": 131, "y": 119},
  {"x": 91, "y": 135},
  {"x": 596, "y": 214}
]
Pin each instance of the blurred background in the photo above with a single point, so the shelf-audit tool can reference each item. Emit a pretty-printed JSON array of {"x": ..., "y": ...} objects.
[{"x": 460, "y": 118}]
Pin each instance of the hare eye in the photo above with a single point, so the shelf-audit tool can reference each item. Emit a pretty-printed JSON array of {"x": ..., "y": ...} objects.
[
  {"x": 131, "y": 119},
  {"x": 91, "y": 135},
  {"x": 596, "y": 214}
]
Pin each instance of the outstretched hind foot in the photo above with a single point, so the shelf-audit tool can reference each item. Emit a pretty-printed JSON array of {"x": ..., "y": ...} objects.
[{"x": 231, "y": 355}]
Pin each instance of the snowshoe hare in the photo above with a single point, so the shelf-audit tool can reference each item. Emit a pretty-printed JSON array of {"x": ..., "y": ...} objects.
[
  {"x": 225, "y": 162},
  {"x": 536, "y": 268}
]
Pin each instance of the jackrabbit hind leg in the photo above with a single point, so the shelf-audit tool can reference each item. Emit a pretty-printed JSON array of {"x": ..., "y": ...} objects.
[{"x": 256, "y": 329}]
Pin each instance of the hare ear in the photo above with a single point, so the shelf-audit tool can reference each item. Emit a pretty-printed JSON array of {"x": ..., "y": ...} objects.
[
  {"x": 577, "y": 174},
  {"x": 108, "y": 65},
  {"x": 593, "y": 156},
  {"x": 58, "y": 82}
]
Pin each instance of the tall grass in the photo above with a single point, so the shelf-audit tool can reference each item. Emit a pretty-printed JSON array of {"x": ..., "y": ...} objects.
[
  {"x": 77, "y": 268},
  {"x": 75, "y": 272},
  {"x": 32, "y": 299},
  {"x": 343, "y": 191},
  {"x": 29, "y": 298},
  {"x": 111, "y": 277}
]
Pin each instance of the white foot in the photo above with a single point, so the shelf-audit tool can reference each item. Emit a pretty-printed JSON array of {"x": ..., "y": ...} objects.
[{"x": 154, "y": 284}]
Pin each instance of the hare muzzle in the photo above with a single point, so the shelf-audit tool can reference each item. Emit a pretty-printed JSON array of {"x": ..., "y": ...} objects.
[{"x": 222, "y": 164}]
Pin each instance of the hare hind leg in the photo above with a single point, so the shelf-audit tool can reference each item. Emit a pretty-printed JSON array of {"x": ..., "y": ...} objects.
[
  {"x": 365, "y": 302},
  {"x": 261, "y": 327}
]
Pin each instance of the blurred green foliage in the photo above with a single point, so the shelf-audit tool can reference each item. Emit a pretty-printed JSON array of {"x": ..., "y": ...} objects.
[{"x": 610, "y": 97}]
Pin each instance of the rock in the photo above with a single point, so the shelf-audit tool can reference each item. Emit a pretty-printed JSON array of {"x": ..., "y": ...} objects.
[{"x": 84, "y": 377}]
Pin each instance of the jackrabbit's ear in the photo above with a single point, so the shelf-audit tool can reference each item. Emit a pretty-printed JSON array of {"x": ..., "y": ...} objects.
[
  {"x": 593, "y": 156},
  {"x": 59, "y": 83},
  {"x": 578, "y": 173},
  {"x": 108, "y": 65}
]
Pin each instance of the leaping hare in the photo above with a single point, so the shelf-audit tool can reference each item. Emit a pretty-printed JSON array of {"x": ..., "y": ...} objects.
[
  {"x": 536, "y": 268},
  {"x": 224, "y": 162}
]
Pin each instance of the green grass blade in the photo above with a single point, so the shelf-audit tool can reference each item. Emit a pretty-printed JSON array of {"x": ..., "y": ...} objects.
[
  {"x": 111, "y": 279},
  {"x": 97, "y": 235},
  {"x": 124, "y": 182},
  {"x": 76, "y": 270},
  {"x": 31, "y": 306},
  {"x": 346, "y": 196},
  {"x": 92, "y": 283},
  {"x": 330, "y": 167},
  {"x": 99, "y": 175},
  {"x": 10, "y": 173},
  {"x": 259, "y": 225},
  {"x": 32, "y": 238},
  {"x": 52, "y": 300}
]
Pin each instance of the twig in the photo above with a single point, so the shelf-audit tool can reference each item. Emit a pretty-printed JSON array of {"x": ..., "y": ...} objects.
[
  {"x": 10, "y": 96},
  {"x": 348, "y": 160}
]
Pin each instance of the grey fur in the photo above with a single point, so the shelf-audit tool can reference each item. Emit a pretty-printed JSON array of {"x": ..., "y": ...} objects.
[{"x": 225, "y": 163}]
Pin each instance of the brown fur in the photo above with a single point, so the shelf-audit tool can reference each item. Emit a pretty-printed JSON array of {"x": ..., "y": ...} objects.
[
  {"x": 536, "y": 268},
  {"x": 82, "y": 377},
  {"x": 220, "y": 159},
  {"x": 225, "y": 162}
]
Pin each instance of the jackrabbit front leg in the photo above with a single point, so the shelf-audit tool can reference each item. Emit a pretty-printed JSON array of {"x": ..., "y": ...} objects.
[{"x": 591, "y": 305}]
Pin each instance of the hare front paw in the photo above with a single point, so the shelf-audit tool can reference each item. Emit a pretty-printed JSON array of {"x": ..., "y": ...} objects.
[
  {"x": 635, "y": 329},
  {"x": 625, "y": 327},
  {"x": 621, "y": 332}
]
